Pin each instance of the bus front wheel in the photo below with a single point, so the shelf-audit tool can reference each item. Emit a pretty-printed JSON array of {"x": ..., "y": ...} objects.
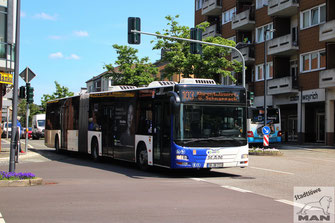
[{"x": 142, "y": 158}]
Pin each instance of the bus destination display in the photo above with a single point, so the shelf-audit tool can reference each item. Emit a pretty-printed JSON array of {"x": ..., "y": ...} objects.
[{"x": 210, "y": 96}]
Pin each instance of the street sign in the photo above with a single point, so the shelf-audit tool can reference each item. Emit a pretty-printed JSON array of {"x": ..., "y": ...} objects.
[
  {"x": 27, "y": 75},
  {"x": 266, "y": 140},
  {"x": 266, "y": 130}
]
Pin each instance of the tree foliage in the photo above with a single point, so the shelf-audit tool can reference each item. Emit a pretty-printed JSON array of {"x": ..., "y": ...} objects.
[
  {"x": 61, "y": 92},
  {"x": 212, "y": 63},
  {"x": 130, "y": 70},
  {"x": 22, "y": 110}
]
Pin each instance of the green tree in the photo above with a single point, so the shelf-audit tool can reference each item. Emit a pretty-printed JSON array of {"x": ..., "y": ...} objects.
[
  {"x": 212, "y": 63},
  {"x": 130, "y": 70},
  {"x": 61, "y": 92},
  {"x": 22, "y": 110}
]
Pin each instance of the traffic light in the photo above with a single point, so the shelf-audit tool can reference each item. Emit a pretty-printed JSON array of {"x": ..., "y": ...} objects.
[
  {"x": 22, "y": 92},
  {"x": 250, "y": 98},
  {"x": 196, "y": 34},
  {"x": 134, "y": 23},
  {"x": 30, "y": 94}
]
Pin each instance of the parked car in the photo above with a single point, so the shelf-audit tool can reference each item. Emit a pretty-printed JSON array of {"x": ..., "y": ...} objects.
[
  {"x": 4, "y": 129},
  {"x": 30, "y": 133}
]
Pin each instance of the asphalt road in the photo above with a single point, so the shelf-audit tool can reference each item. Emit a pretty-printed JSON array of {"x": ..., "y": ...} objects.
[{"x": 78, "y": 190}]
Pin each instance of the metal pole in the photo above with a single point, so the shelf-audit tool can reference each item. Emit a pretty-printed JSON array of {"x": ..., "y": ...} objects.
[
  {"x": 27, "y": 123},
  {"x": 15, "y": 88},
  {"x": 202, "y": 42},
  {"x": 7, "y": 122},
  {"x": 265, "y": 58},
  {"x": 27, "y": 118}
]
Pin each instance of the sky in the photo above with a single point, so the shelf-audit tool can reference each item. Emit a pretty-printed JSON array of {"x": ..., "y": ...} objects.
[{"x": 70, "y": 41}]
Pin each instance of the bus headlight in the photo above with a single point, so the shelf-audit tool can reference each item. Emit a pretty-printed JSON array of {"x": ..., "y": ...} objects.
[
  {"x": 244, "y": 156},
  {"x": 181, "y": 157}
]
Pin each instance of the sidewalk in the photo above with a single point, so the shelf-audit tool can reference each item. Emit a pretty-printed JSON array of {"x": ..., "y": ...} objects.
[
  {"x": 5, "y": 149},
  {"x": 303, "y": 146}
]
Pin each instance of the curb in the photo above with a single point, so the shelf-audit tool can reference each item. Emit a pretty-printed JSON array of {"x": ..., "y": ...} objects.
[
  {"x": 21, "y": 183},
  {"x": 266, "y": 153}
]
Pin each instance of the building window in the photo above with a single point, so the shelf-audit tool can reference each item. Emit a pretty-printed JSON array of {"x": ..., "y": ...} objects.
[
  {"x": 313, "y": 61},
  {"x": 260, "y": 33},
  {"x": 3, "y": 24},
  {"x": 198, "y": 4},
  {"x": 233, "y": 38},
  {"x": 228, "y": 15},
  {"x": 110, "y": 81},
  {"x": 260, "y": 71},
  {"x": 313, "y": 17},
  {"x": 261, "y": 3}
]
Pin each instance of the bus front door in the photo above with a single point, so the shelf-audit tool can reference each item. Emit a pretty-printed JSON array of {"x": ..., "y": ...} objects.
[{"x": 162, "y": 134}]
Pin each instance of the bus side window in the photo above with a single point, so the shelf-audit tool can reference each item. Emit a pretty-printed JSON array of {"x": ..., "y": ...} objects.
[{"x": 145, "y": 120}]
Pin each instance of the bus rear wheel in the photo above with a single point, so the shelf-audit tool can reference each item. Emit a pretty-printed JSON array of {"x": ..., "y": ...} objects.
[
  {"x": 142, "y": 158},
  {"x": 94, "y": 150}
]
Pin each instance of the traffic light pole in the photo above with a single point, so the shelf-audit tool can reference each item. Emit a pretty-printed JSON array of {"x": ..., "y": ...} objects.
[{"x": 201, "y": 42}]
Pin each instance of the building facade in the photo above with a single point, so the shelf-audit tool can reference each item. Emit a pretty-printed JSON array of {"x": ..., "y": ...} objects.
[
  {"x": 7, "y": 46},
  {"x": 100, "y": 83},
  {"x": 296, "y": 41}
]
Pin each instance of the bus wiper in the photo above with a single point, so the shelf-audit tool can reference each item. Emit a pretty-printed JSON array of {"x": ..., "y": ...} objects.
[
  {"x": 186, "y": 141},
  {"x": 230, "y": 138}
]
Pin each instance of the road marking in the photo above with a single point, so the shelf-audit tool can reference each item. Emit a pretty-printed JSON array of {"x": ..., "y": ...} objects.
[
  {"x": 1, "y": 219},
  {"x": 237, "y": 189},
  {"x": 198, "y": 179},
  {"x": 291, "y": 203},
  {"x": 270, "y": 170}
]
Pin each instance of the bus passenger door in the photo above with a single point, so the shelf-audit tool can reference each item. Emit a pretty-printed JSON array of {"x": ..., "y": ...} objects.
[
  {"x": 162, "y": 134},
  {"x": 107, "y": 130}
]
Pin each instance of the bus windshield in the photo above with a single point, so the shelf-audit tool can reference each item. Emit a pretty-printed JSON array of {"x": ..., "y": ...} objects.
[
  {"x": 210, "y": 126},
  {"x": 258, "y": 116}
]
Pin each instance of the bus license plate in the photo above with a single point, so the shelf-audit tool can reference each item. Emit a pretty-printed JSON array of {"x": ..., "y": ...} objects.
[{"x": 213, "y": 165}]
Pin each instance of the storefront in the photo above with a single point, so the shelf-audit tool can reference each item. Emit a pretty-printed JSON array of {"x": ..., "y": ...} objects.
[{"x": 303, "y": 118}]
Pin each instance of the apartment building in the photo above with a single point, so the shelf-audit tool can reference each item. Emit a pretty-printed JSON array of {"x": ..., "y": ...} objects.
[
  {"x": 100, "y": 83},
  {"x": 297, "y": 39},
  {"x": 7, "y": 43}
]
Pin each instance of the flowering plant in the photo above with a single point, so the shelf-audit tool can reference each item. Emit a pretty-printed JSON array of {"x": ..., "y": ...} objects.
[{"x": 15, "y": 176}]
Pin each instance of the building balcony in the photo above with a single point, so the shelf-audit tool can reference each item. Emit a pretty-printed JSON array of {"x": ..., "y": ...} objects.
[
  {"x": 284, "y": 8},
  {"x": 281, "y": 85},
  {"x": 243, "y": 21},
  {"x": 327, "y": 78},
  {"x": 211, "y": 8},
  {"x": 283, "y": 46},
  {"x": 327, "y": 31},
  {"x": 248, "y": 54},
  {"x": 211, "y": 31}
]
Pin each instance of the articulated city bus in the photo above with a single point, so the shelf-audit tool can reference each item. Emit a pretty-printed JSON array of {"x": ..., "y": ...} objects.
[
  {"x": 193, "y": 124},
  {"x": 256, "y": 123}
]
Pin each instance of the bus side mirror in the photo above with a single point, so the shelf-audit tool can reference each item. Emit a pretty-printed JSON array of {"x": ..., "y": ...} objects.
[{"x": 174, "y": 101}]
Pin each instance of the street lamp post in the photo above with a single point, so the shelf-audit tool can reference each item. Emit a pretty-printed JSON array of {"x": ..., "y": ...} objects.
[{"x": 265, "y": 69}]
